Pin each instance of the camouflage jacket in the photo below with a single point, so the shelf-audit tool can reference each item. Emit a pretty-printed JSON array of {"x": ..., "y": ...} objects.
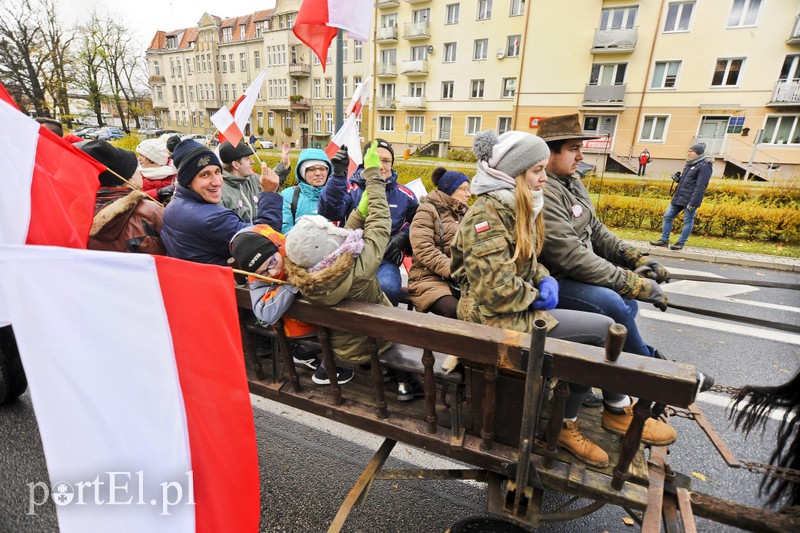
[{"x": 495, "y": 291}]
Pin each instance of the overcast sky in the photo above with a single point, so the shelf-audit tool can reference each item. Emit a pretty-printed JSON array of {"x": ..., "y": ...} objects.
[{"x": 145, "y": 17}]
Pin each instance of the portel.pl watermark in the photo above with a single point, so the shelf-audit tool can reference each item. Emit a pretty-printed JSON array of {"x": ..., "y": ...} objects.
[{"x": 114, "y": 488}]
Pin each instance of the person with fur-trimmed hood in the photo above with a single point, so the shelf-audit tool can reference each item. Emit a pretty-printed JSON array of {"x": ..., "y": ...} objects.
[
  {"x": 313, "y": 170},
  {"x": 329, "y": 264}
]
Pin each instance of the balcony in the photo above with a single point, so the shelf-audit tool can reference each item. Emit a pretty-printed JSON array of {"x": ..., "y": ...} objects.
[
  {"x": 156, "y": 78},
  {"x": 414, "y": 68},
  {"x": 786, "y": 93},
  {"x": 604, "y": 95},
  {"x": 619, "y": 41},
  {"x": 387, "y": 35},
  {"x": 417, "y": 30},
  {"x": 299, "y": 70},
  {"x": 387, "y": 70},
  {"x": 794, "y": 37},
  {"x": 412, "y": 102},
  {"x": 388, "y": 3},
  {"x": 385, "y": 103},
  {"x": 412, "y": 2},
  {"x": 298, "y": 102}
]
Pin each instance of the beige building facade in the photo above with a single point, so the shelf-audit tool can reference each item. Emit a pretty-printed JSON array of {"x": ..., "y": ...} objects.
[{"x": 655, "y": 74}]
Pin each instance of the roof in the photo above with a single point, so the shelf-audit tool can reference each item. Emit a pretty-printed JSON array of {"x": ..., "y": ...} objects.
[{"x": 189, "y": 35}]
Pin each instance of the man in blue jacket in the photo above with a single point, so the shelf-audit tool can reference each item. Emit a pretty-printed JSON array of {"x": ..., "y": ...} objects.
[
  {"x": 688, "y": 196},
  {"x": 196, "y": 227},
  {"x": 341, "y": 196}
]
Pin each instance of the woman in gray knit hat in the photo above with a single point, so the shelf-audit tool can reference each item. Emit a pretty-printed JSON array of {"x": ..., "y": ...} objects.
[{"x": 494, "y": 261}]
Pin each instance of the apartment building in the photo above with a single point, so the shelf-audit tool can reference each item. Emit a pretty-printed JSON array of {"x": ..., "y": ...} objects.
[
  {"x": 656, "y": 74},
  {"x": 194, "y": 71}
]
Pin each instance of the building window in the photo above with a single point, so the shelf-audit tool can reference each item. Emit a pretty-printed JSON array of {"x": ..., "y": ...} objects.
[
  {"x": 473, "y": 125},
  {"x": 257, "y": 60},
  {"x": 447, "y": 90},
  {"x": 451, "y": 13},
  {"x": 344, "y": 87},
  {"x": 512, "y": 45},
  {"x": 191, "y": 93},
  {"x": 344, "y": 51},
  {"x": 259, "y": 29},
  {"x": 329, "y": 122},
  {"x": 416, "y": 88},
  {"x": 743, "y": 13},
  {"x": 517, "y": 8},
  {"x": 449, "y": 52},
  {"x": 318, "y": 122},
  {"x": 782, "y": 130},
  {"x": 618, "y": 18},
  {"x": 290, "y": 20},
  {"x": 509, "y": 87},
  {"x": 243, "y": 62},
  {"x": 328, "y": 88},
  {"x": 654, "y": 128},
  {"x": 227, "y": 35},
  {"x": 386, "y": 91},
  {"x": 386, "y": 123},
  {"x": 316, "y": 88},
  {"x": 194, "y": 119},
  {"x": 476, "y": 89},
  {"x": 357, "y": 51},
  {"x": 157, "y": 68},
  {"x": 226, "y": 92},
  {"x": 270, "y": 119},
  {"x": 679, "y": 15},
  {"x": 503, "y": 124},
  {"x": 481, "y": 49},
  {"x": 232, "y": 63},
  {"x": 175, "y": 93},
  {"x": 726, "y": 73},
  {"x": 416, "y": 123},
  {"x": 484, "y": 9},
  {"x": 357, "y": 80},
  {"x": 159, "y": 93},
  {"x": 735, "y": 124},
  {"x": 224, "y": 62},
  {"x": 608, "y": 74},
  {"x": 419, "y": 53},
  {"x": 185, "y": 118},
  {"x": 665, "y": 74},
  {"x": 188, "y": 66},
  {"x": 180, "y": 92}
]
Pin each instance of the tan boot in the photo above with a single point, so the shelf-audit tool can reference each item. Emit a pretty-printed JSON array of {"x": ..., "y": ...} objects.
[
  {"x": 656, "y": 432},
  {"x": 572, "y": 440}
]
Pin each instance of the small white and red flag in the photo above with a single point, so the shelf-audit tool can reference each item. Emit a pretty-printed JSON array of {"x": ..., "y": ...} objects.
[
  {"x": 359, "y": 99},
  {"x": 49, "y": 186},
  {"x": 347, "y": 136},
  {"x": 231, "y": 123},
  {"x": 139, "y": 389},
  {"x": 319, "y": 20}
]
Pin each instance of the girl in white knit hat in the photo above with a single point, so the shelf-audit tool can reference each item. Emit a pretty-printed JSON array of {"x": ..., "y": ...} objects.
[{"x": 158, "y": 172}]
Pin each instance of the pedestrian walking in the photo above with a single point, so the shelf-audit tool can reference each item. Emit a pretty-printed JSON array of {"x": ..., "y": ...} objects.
[{"x": 644, "y": 158}]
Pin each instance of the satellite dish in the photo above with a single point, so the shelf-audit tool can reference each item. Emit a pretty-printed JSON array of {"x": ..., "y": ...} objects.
[{"x": 501, "y": 53}]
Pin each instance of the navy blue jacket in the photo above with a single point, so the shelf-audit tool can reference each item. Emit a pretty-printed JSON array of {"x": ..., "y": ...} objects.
[
  {"x": 692, "y": 187},
  {"x": 340, "y": 196},
  {"x": 198, "y": 231}
]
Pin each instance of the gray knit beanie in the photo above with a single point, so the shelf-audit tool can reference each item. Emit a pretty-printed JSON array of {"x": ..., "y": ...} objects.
[
  {"x": 699, "y": 148},
  {"x": 512, "y": 153}
]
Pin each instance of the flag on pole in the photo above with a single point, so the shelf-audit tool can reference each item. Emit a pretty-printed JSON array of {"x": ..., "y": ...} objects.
[
  {"x": 231, "y": 123},
  {"x": 49, "y": 186},
  {"x": 139, "y": 384},
  {"x": 347, "y": 136},
  {"x": 359, "y": 99},
  {"x": 319, "y": 20}
]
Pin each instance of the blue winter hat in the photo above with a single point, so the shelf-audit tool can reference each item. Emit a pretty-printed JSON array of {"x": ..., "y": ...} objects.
[
  {"x": 451, "y": 180},
  {"x": 191, "y": 157},
  {"x": 309, "y": 157}
]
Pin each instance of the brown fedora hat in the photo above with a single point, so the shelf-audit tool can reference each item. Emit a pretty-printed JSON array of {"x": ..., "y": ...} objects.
[{"x": 561, "y": 128}]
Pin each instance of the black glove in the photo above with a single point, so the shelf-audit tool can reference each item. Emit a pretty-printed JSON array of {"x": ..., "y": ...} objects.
[
  {"x": 653, "y": 270},
  {"x": 165, "y": 193},
  {"x": 340, "y": 162},
  {"x": 394, "y": 250}
]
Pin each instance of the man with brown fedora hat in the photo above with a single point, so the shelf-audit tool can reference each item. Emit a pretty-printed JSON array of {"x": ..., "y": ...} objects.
[{"x": 596, "y": 270}]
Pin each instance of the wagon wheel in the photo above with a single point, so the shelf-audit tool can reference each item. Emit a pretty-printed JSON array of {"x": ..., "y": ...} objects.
[{"x": 12, "y": 377}]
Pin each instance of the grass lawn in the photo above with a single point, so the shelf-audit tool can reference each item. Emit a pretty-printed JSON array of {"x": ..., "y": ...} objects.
[{"x": 718, "y": 243}]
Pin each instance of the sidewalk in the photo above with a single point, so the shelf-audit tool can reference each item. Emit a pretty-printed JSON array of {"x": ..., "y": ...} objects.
[{"x": 790, "y": 264}]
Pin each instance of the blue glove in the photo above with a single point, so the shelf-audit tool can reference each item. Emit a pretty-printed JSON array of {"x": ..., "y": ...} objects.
[{"x": 548, "y": 295}]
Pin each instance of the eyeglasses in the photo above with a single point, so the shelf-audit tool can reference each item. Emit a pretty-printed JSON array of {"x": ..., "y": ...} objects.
[
  {"x": 386, "y": 162},
  {"x": 317, "y": 169},
  {"x": 269, "y": 265}
]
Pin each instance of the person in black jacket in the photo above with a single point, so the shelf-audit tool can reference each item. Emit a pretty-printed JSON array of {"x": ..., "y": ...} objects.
[{"x": 688, "y": 196}]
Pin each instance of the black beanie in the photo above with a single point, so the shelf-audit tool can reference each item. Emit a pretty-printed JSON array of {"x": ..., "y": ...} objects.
[
  {"x": 191, "y": 157},
  {"x": 381, "y": 144},
  {"x": 251, "y": 249},
  {"x": 123, "y": 162}
]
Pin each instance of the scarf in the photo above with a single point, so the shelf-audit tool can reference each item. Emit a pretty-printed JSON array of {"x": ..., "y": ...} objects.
[
  {"x": 506, "y": 197},
  {"x": 488, "y": 179},
  {"x": 352, "y": 244},
  {"x": 158, "y": 173},
  {"x": 699, "y": 159}
]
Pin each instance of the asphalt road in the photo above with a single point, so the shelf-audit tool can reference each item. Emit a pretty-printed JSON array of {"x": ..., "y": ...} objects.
[{"x": 308, "y": 464}]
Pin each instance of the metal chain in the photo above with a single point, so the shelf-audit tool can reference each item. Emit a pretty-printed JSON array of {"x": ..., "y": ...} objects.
[
  {"x": 780, "y": 472},
  {"x": 680, "y": 413},
  {"x": 725, "y": 389}
]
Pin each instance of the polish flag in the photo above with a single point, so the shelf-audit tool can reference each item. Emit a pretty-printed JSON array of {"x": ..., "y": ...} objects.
[
  {"x": 137, "y": 379},
  {"x": 359, "y": 99},
  {"x": 49, "y": 186},
  {"x": 347, "y": 136},
  {"x": 231, "y": 123},
  {"x": 319, "y": 20}
]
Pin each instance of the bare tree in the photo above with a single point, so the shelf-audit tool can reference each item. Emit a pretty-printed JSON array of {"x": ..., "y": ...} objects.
[
  {"x": 23, "y": 53},
  {"x": 89, "y": 72},
  {"x": 57, "y": 42}
]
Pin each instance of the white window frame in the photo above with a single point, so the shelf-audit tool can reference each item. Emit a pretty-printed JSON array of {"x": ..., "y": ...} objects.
[
  {"x": 729, "y": 61},
  {"x": 328, "y": 88},
  {"x": 386, "y": 123},
  {"x": 628, "y": 17},
  {"x": 318, "y": 122},
  {"x": 451, "y": 13},
  {"x": 477, "y": 89},
  {"x": 472, "y": 125},
  {"x": 329, "y": 122},
  {"x": 516, "y": 8},
  {"x": 445, "y": 85},
  {"x": 416, "y": 89},
  {"x": 504, "y": 88},
  {"x": 513, "y": 43},
  {"x": 357, "y": 51},
  {"x": 653, "y": 126},
  {"x": 772, "y": 140},
  {"x": 480, "y": 45},
  {"x": 484, "y": 10},
  {"x": 680, "y": 8},
  {"x": 500, "y": 129},
  {"x": 746, "y": 11},
  {"x": 418, "y": 120},
  {"x": 662, "y": 82},
  {"x": 450, "y": 50}
]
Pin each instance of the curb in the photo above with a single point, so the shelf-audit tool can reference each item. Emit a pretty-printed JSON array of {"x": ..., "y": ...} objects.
[{"x": 785, "y": 264}]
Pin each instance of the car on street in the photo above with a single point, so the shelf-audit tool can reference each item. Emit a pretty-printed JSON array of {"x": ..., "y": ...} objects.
[
  {"x": 585, "y": 169},
  {"x": 263, "y": 143},
  {"x": 85, "y": 132}
]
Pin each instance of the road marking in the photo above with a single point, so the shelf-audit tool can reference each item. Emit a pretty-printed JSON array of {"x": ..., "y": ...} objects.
[
  {"x": 749, "y": 331},
  {"x": 723, "y": 401},
  {"x": 704, "y": 289}
]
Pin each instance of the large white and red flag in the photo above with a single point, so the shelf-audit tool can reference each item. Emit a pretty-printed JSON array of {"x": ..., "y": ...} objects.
[
  {"x": 139, "y": 389},
  {"x": 48, "y": 185},
  {"x": 231, "y": 123},
  {"x": 318, "y": 21}
]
